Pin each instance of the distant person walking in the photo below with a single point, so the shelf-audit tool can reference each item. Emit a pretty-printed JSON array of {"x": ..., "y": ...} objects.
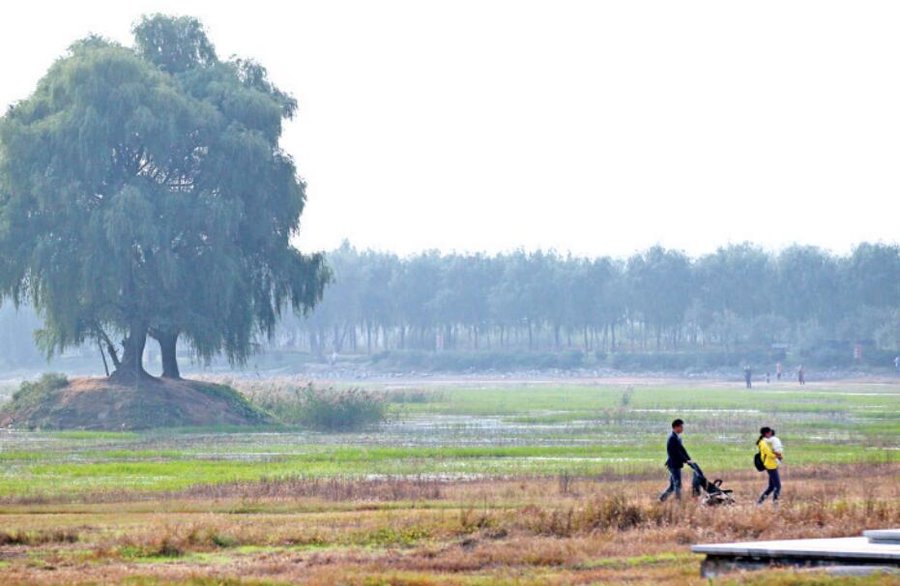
[
  {"x": 801, "y": 375},
  {"x": 677, "y": 458},
  {"x": 748, "y": 376},
  {"x": 771, "y": 452},
  {"x": 777, "y": 371}
]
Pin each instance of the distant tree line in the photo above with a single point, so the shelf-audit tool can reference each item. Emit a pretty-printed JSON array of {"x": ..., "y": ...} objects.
[
  {"x": 739, "y": 297},
  {"x": 740, "y": 302}
]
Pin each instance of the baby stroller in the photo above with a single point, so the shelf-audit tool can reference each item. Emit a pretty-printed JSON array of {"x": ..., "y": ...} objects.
[{"x": 711, "y": 494}]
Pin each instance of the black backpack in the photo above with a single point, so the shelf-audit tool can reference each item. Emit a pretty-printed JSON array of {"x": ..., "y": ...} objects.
[{"x": 758, "y": 461}]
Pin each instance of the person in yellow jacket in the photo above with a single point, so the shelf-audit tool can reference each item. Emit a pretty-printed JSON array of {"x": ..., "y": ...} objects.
[{"x": 770, "y": 451}]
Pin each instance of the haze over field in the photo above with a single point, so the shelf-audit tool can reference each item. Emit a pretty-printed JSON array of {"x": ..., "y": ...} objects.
[
  {"x": 596, "y": 128},
  {"x": 416, "y": 292}
]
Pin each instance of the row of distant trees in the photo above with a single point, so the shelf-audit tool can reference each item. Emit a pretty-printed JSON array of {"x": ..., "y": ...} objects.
[
  {"x": 741, "y": 296},
  {"x": 740, "y": 300}
]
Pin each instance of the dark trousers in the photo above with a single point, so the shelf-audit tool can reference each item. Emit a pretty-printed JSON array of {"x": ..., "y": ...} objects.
[
  {"x": 674, "y": 484},
  {"x": 774, "y": 487}
]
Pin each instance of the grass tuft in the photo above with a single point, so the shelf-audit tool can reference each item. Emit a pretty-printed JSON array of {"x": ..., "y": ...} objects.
[
  {"x": 40, "y": 537},
  {"x": 326, "y": 409}
]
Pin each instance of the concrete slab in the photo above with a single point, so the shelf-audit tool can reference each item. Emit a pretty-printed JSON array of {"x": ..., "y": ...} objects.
[
  {"x": 863, "y": 571},
  {"x": 844, "y": 551},
  {"x": 883, "y": 535},
  {"x": 849, "y": 548}
]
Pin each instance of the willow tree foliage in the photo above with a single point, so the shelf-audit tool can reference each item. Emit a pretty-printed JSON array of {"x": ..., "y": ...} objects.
[{"x": 143, "y": 193}]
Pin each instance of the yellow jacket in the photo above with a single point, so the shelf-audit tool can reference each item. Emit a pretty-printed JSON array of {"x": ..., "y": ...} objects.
[{"x": 770, "y": 460}]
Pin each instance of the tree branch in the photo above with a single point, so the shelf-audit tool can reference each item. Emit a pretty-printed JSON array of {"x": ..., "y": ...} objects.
[{"x": 110, "y": 346}]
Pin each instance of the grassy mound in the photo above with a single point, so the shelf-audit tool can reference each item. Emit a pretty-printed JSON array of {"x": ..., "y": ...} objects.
[{"x": 53, "y": 402}]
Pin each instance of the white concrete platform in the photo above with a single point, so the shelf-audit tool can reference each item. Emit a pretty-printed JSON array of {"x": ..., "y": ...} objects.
[
  {"x": 850, "y": 548},
  {"x": 875, "y": 548},
  {"x": 883, "y": 535}
]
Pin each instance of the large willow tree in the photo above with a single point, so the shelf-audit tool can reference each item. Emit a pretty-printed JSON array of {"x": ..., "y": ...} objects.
[{"x": 143, "y": 193}]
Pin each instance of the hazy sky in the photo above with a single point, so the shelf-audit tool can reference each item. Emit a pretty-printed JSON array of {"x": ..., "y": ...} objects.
[{"x": 591, "y": 127}]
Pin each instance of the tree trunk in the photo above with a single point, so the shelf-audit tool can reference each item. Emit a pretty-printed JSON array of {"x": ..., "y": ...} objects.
[
  {"x": 132, "y": 363},
  {"x": 167, "y": 346}
]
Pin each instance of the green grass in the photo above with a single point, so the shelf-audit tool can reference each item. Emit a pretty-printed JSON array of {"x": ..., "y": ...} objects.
[
  {"x": 536, "y": 429},
  {"x": 580, "y": 401},
  {"x": 94, "y": 435},
  {"x": 642, "y": 560}
]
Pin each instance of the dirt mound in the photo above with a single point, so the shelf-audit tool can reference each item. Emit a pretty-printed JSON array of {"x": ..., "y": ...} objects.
[{"x": 106, "y": 404}]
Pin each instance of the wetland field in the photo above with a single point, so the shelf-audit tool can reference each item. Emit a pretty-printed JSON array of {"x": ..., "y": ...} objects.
[{"x": 468, "y": 482}]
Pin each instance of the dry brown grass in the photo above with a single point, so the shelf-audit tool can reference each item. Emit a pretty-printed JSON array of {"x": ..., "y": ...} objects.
[
  {"x": 516, "y": 531},
  {"x": 330, "y": 489}
]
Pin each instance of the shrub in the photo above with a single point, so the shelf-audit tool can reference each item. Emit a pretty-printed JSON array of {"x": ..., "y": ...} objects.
[
  {"x": 33, "y": 393},
  {"x": 613, "y": 512},
  {"x": 49, "y": 381},
  {"x": 326, "y": 409}
]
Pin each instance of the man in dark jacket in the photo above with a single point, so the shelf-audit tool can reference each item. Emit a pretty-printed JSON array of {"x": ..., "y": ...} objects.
[{"x": 678, "y": 457}]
